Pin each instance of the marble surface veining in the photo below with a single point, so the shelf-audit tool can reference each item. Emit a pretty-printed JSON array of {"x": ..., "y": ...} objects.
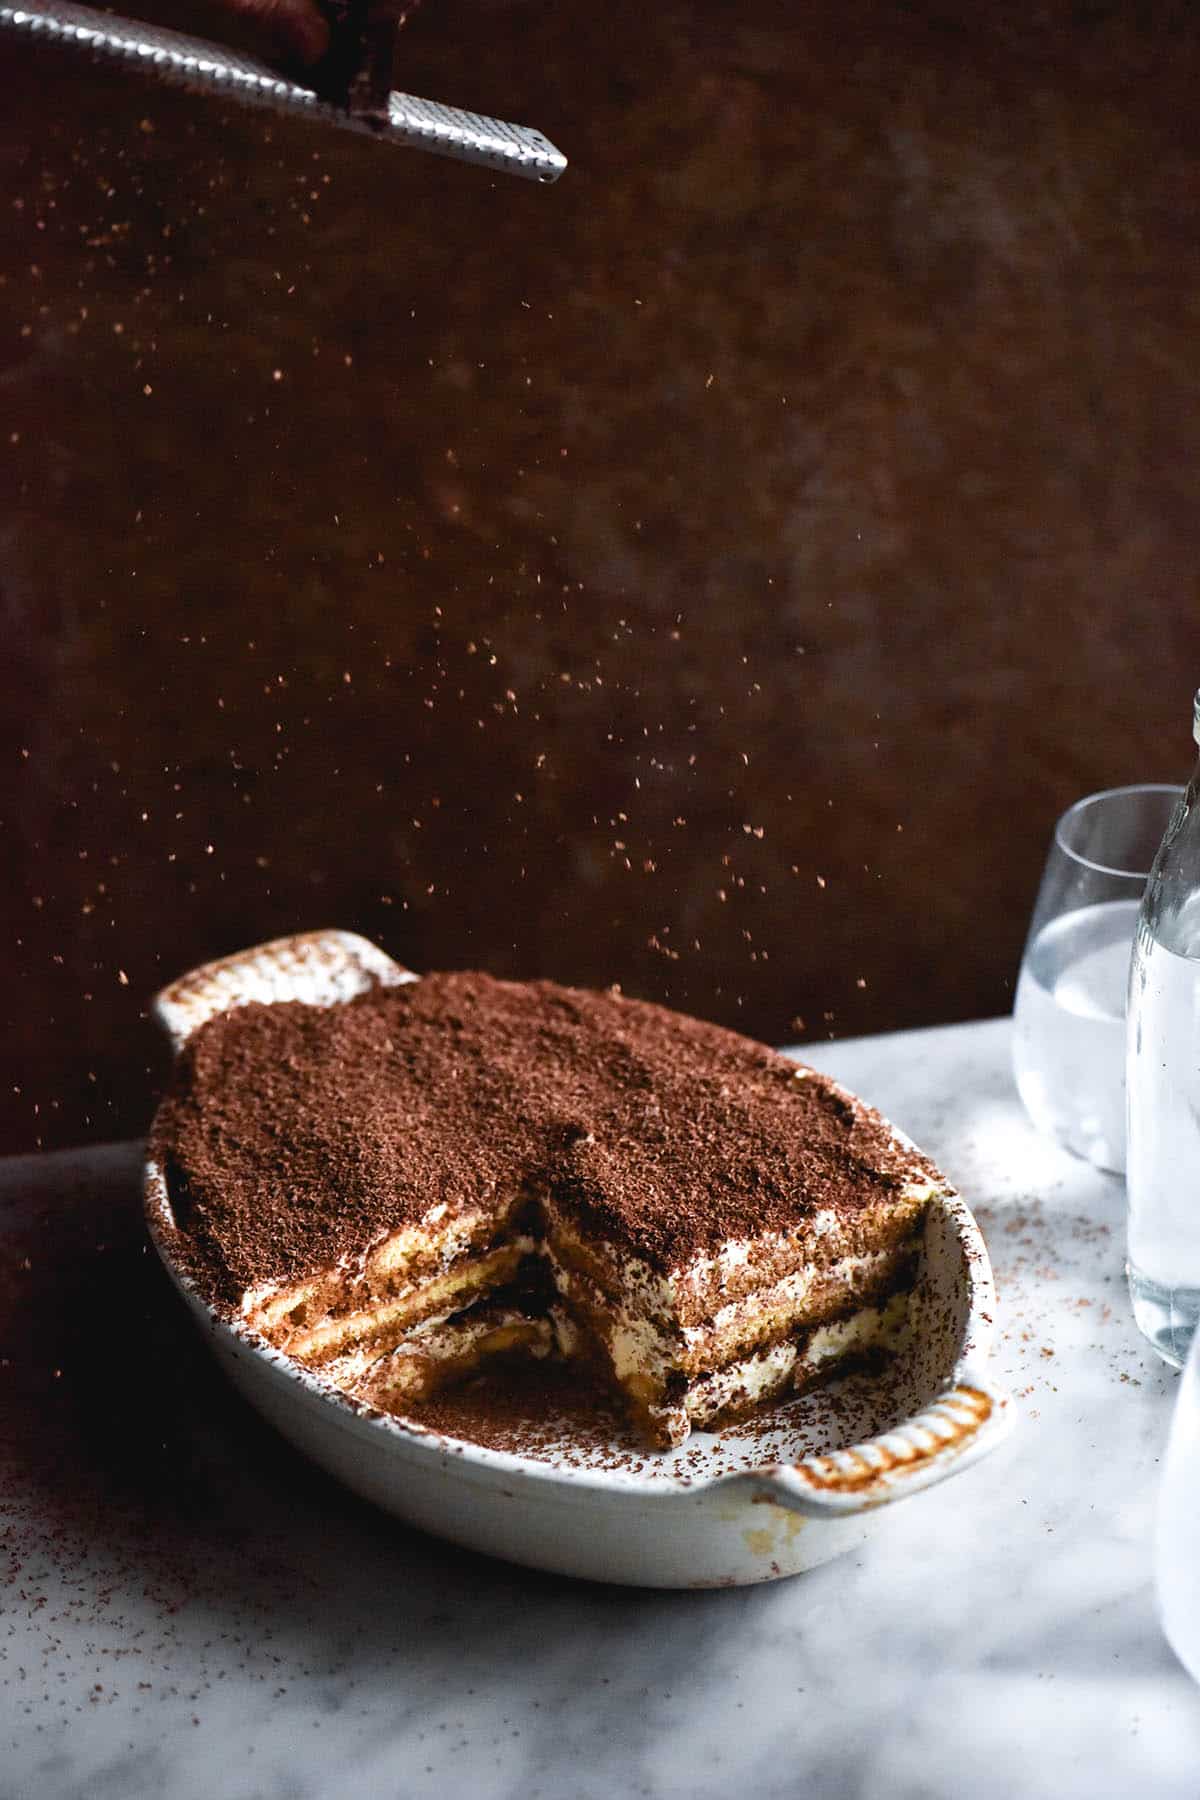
[{"x": 189, "y": 1610}]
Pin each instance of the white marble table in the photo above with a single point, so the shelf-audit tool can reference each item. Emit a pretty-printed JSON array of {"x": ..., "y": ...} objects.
[{"x": 189, "y": 1611}]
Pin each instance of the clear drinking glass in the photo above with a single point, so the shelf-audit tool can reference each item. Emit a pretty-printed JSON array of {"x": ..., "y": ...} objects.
[{"x": 1069, "y": 1016}]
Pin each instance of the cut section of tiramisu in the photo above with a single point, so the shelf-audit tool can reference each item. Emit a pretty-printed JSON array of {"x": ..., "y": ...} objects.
[{"x": 402, "y": 1187}]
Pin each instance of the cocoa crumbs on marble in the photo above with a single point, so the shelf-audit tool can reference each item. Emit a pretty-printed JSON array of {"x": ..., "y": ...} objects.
[{"x": 294, "y": 1133}]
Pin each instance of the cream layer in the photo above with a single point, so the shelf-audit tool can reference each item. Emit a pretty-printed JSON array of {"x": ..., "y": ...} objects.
[
  {"x": 381, "y": 1323},
  {"x": 436, "y": 1354},
  {"x": 798, "y": 1362},
  {"x": 388, "y": 1320},
  {"x": 441, "y": 1352},
  {"x": 644, "y": 1357},
  {"x": 700, "y": 1293},
  {"x": 802, "y": 1298},
  {"x": 791, "y": 1366},
  {"x": 389, "y": 1266}
]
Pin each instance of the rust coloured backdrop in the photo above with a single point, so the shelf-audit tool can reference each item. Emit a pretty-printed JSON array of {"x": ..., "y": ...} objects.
[{"x": 711, "y": 574}]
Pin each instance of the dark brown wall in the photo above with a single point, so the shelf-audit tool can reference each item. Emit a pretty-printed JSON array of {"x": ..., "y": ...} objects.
[{"x": 712, "y": 573}]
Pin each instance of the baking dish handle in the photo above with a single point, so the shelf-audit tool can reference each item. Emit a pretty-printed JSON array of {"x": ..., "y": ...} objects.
[
  {"x": 319, "y": 967},
  {"x": 961, "y": 1425}
]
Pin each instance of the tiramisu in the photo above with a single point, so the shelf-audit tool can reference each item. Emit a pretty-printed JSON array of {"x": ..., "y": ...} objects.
[{"x": 401, "y": 1188}]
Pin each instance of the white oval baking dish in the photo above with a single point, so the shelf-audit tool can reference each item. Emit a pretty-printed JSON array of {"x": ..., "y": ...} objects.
[{"x": 722, "y": 1510}]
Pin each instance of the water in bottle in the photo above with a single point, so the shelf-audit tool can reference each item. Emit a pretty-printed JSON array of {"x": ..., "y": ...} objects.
[
  {"x": 1163, "y": 1155},
  {"x": 1163, "y": 1082}
]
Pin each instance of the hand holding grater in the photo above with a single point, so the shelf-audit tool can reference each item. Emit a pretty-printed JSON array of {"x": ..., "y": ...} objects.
[{"x": 351, "y": 84}]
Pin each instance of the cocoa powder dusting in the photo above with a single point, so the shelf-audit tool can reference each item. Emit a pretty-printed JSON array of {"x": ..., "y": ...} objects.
[
  {"x": 293, "y": 1134},
  {"x": 543, "y": 1410}
]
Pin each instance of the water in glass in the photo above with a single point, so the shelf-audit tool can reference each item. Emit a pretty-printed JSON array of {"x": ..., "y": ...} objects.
[
  {"x": 1069, "y": 1024},
  {"x": 1069, "y": 1029}
]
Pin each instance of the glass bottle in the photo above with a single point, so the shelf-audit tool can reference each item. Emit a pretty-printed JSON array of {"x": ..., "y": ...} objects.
[{"x": 1163, "y": 1088}]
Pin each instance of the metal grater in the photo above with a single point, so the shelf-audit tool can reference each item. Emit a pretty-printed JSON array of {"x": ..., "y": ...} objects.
[{"x": 213, "y": 70}]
